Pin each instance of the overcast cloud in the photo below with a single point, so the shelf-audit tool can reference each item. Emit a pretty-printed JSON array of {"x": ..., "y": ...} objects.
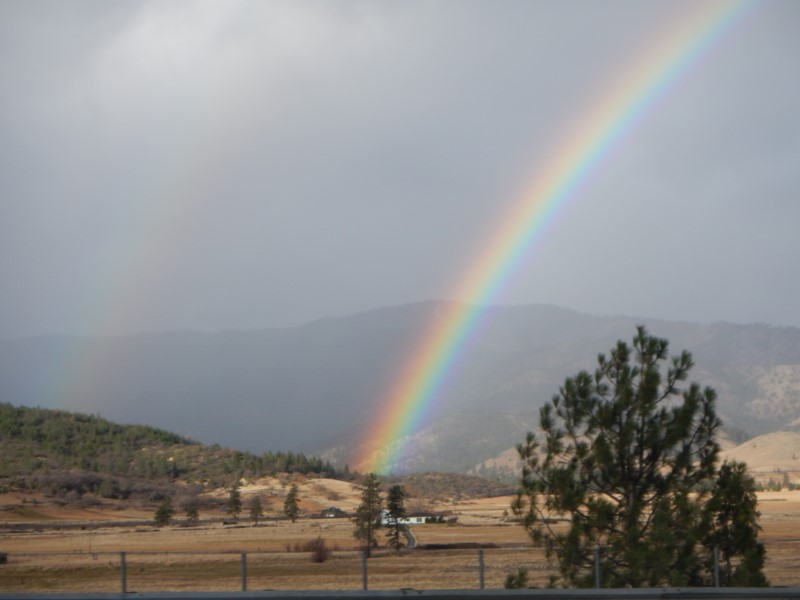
[{"x": 206, "y": 165}]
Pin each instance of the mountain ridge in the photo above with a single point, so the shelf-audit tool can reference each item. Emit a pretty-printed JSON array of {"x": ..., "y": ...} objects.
[{"x": 317, "y": 387}]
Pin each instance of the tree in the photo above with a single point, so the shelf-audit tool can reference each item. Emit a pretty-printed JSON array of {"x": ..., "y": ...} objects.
[
  {"x": 256, "y": 510},
  {"x": 291, "y": 507},
  {"x": 396, "y": 510},
  {"x": 628, "y": 456},
  {"x": 234, "y": 505},
  {"x": 733, "y": 512},
  {"x": 192, "y": 514},
  {"x": 164, "y": 513},
  {"x": 368, "y": 514}
]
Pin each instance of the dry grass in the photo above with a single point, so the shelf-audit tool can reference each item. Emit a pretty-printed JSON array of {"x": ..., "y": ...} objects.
[{"x": 90, "y": 560}]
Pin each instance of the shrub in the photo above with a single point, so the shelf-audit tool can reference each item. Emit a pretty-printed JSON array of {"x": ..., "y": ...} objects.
[
  {"x": 319, "y": 549},
  {"x": 518, "y": 580}
]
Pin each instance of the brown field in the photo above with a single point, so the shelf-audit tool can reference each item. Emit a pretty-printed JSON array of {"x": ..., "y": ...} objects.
[{"x": 59, "y": 556}]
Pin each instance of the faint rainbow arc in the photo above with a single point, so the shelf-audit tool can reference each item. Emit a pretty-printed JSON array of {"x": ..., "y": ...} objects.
[
  {"x": 622, "y": 105},
  {"x": 142, "y": 260}
]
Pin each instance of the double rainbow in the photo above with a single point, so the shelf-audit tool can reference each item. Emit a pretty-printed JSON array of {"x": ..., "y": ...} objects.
[{"x": 578, "y": 154}]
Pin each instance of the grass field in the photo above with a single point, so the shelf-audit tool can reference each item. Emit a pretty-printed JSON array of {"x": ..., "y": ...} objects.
[{"x": 56, "y": 558}]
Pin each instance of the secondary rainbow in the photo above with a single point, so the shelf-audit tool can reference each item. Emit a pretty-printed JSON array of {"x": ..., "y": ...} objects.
[
  {"x": 143, "y": 259},
  {"x": 621, "y": 104}
]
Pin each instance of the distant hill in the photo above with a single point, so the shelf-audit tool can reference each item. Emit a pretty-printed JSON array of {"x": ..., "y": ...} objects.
[
  {"x": 450, "y": 486},
  {"x": 769, "y": 456},
  {"x": 74, "y": 457},
  {"x": 62, "y": 452},
  {"x": 316, "y": 389}
]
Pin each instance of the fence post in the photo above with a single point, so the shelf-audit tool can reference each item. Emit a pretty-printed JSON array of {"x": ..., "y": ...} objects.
[
  {"x": 244, "y": 571},
  {"x": 716, "y": 565},
  {"x": 597, "y": 567},
  {"x": 364, "y": 570},
  {"x": 480, "y": 567},
  {"x": 123, "y": 573}
]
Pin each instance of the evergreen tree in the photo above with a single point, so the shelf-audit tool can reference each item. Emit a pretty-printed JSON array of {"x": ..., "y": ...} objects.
[
  {"x": 164, "y": 513},
  {"x": 291, "y": 506},
  {"x": 733, "y": 513},
  {"x": 368, "y": 514},
  {"x": 234, "y": 505},
  {"x": 396, "y": 510},
  {"x": 192, "y": 514},
  {"x": 256, "y": 510},
  {"x": 629, "y": 457}
]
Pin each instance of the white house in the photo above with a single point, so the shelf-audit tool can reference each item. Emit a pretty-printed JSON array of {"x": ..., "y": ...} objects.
[{"x": 409, "y": 520}]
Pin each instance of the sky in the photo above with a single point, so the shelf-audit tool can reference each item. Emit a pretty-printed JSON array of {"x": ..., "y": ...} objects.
[{"x": 234, "y": 165}]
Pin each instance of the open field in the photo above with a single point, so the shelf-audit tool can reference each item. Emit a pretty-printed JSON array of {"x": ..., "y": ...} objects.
[{"x": 58, "y": 556}]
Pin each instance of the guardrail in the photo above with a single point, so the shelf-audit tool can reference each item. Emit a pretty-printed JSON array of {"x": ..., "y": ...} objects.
[{"x": 604, "y": 594}]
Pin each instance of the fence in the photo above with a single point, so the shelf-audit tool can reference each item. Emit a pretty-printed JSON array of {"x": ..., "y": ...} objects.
[
  {"x": 232, "y": 571},
  {"x": 226, "y": 571}
]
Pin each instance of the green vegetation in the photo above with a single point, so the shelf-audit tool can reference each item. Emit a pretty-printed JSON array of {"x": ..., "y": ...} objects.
[
  {"x": 164, "y": 513},
  {"x": 234, "y": 505},
  {"x": 291, "y": 507},
  {"x": 368, "y": 514},
  {"x": 192, "y": 513},
  {"x": 36, "y": 439},
  {"x": 629, "y": 459},
  {"x": 734, "y": 530},
  {"x": 67, "y": 455},
  {"x": 256, "y": 509},
  {"x": 518, "y": 580},
  {"x": 396, "y": 509}
]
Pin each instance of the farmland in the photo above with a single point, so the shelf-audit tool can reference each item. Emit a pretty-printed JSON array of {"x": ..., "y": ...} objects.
[{"x": 60, "y": 549}]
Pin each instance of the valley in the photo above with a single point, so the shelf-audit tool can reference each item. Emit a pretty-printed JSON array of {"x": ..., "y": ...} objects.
[{"x": 54, "y": 548}]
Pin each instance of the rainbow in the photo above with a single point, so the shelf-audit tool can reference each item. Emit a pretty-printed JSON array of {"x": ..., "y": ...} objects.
[
  {"x": 622, "y": 104},
  {"x": 144, "y": 257}
]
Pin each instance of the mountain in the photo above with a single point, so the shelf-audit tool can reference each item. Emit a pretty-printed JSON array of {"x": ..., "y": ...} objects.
[{"x": 319, "y": 387}]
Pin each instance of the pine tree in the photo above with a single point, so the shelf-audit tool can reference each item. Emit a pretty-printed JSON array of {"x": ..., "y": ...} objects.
[
  {"x": 256, "y": 510},
  {"x": 628, "y": 457},
  {"x": 291, "y": 506},
  {"x": 234, "y": 505},
  {"x": 396, "y": 510},
  {"x": 192, "y": 514},
  {"x": 733, "y": 513},
  {"x": 368, "y": 514},
  {"x": 164, "y": 513}
]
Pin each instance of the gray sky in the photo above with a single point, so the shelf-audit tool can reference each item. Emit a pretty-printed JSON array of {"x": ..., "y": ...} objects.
[{"x": 210, "y": 165}]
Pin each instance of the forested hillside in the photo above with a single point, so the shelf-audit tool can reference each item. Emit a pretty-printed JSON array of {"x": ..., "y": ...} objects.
[{"x": 62, "y": 452}]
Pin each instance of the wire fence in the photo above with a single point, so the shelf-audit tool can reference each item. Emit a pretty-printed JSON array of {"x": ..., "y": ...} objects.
[
  {"x": 126, "y": 572},
  {"x": 236, "y": 571}
]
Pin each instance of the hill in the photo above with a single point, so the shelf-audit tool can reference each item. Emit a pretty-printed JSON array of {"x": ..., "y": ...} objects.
[
  {"x": 70, "y": 454},
  {"x": 773, "y": 456},
  {"x": 318, "y": 388}
]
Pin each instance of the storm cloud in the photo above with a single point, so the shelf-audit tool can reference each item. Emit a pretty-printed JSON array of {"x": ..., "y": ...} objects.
[{"x": 205, "y": 165}]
